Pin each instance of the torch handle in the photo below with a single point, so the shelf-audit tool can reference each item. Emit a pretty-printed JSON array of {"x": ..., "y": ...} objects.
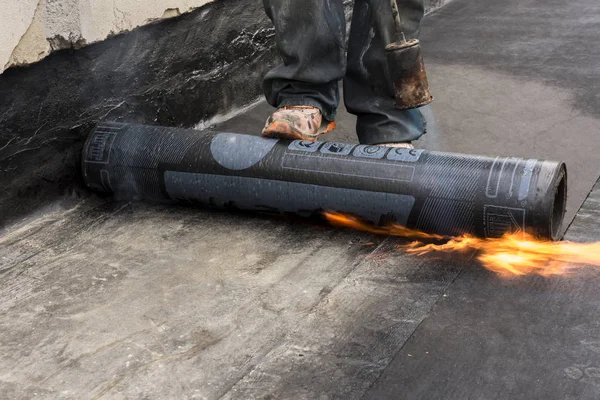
[
  {"x": 390, "y": 29},
  {"x": 398, "y": 21}
]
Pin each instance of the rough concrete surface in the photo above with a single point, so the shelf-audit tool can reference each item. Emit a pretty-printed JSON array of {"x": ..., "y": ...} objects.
[
  {"x": 133, "y": 301},
  {"x": 524, "y": 338}
]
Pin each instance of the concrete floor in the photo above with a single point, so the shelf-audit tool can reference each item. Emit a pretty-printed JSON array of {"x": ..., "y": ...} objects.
[
  {"x": 108, "y": 300},
  {"x": 488, "y": 338}
]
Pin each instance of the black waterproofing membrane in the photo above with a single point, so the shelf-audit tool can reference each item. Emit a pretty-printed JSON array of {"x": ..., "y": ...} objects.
[{"x": 441, "y": 193}]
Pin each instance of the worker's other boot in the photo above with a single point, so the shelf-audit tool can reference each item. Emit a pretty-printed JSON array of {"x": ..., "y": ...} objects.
[
  {"x": 404, "y": 145},
  {"x": 297, "y": 123}
]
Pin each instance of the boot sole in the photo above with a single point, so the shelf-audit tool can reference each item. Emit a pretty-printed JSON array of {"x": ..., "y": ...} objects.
[{"x": 274, "y": 133}]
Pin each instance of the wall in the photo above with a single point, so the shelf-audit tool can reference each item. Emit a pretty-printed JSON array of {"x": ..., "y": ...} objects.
[{"x": 31, "y": 29}]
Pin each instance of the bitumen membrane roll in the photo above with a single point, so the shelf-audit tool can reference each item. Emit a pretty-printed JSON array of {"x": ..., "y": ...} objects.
[{"x": 442, "y": 193}]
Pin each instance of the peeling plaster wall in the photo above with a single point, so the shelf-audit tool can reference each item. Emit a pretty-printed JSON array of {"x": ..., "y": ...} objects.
[
  {"x": 16, "y": 18},
  {"x": 32, "y": 29}
]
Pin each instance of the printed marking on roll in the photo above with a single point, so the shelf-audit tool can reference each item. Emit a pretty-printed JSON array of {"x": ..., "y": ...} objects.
[
  {"x": 239, "y": 152},
  {"x": 351, "y": 167},
  {"x": 526, "y": 179},
  {"x": 406, "y": 155},
  {"x": 493, "y": 183},
  {"x": 512, "y": 178},
  {"x": 283, "y": 196},
  {"x": 339, "y": 149},
  {"x": 366, "y": 151},
  {"x": 98, "y": 151},
  {"x": 305, "y": 145},
  {"x": 500, "y": 220}
]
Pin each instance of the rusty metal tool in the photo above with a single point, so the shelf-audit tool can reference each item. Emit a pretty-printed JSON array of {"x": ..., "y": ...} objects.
[{"x": 405, "y": 58}]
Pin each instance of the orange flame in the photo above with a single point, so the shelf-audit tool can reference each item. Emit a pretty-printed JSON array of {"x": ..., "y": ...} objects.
[{"x": 510, "y": 255}]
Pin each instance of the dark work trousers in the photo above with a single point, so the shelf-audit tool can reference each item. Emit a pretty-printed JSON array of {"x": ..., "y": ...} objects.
[{"x": 311, "y": 39}]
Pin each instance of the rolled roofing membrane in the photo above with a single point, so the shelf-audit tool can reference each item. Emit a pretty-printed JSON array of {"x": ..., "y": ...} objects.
[{"x": 442, "y": 193}]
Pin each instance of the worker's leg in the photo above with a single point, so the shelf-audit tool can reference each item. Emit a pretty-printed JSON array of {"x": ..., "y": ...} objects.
[
  {"x": 368, "y": 89},
  {"x": 310, "y": 37}
]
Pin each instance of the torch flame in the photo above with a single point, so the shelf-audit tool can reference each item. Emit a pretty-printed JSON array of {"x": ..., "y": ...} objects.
[{"x": 510, "y": 255}]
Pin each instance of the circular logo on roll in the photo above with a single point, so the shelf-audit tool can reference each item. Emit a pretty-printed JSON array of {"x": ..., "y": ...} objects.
[
  {"x": 370, "y": 151},
  {"x": 238, "y": 152}
]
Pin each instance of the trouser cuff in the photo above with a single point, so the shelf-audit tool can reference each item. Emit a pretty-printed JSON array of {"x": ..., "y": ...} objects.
[{"x": 328, "y": 114}]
